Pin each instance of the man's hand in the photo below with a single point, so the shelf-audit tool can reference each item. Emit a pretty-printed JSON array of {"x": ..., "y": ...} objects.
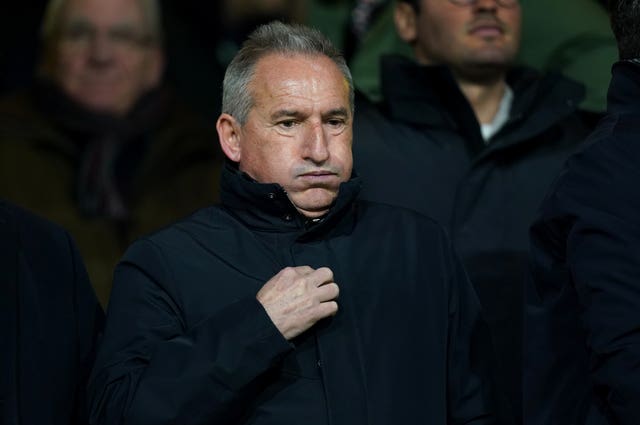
[{"x": 297, "y": 297}]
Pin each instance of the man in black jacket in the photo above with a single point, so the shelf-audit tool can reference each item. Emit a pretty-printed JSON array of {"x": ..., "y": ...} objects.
[
  {"x": 232, "y": 316},
  {"x": 582, "y": 327},
  {"x": 50, "y": 320},
  {"x": 464, "y": 136}
]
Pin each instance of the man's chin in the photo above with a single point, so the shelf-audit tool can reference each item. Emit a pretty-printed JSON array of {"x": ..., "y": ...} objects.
[
  {"x": 102, "y": 101},
  {"x": 314, "y": 202},
  {"x": 486, "y": 70}
]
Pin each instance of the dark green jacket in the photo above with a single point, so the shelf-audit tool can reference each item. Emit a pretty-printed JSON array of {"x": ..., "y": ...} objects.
[{"x": 175, "y": 172}]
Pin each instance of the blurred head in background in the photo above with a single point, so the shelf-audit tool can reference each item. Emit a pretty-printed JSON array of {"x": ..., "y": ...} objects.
[
  {"x": 475, "y": 38},
  {"x": 104, "y": 54}
]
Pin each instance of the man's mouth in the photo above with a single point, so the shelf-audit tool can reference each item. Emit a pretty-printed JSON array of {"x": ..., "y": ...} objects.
[
  {"x": 486, "y": 29},
  {"x": 318, "y": 176},
  {"x": 318, "y": 173}
]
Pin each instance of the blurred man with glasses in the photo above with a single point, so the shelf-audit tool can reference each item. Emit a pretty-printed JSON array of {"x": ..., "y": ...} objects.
[
  {"x": 103, "y": 54},
  {"x": 465, "y": 136},
  {"x": 100, "y": 145}
]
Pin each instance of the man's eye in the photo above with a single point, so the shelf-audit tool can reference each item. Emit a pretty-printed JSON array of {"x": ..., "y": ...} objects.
[
  {"x": 336, "y": 122},
  {"x": 287, "y": 123},
  {"x": 127, "y": 36},
  {"x": 78, "y": 33},
  {"x": 124, "y": 36}
]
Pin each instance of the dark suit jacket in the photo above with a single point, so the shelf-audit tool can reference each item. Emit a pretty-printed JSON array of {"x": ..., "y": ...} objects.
[
  {"x": 582, "y": 324},
  {"x": 49, "y": 322}
]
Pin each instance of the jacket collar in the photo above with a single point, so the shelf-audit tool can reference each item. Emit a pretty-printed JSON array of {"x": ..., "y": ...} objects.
[
  {"x": 266, "y": 206},
  {"x": 624, "y": 89},
  {"x": 152, "y": 108},
  {"x": 422, "y": 95},
  {"x": 429, "y": 96}
]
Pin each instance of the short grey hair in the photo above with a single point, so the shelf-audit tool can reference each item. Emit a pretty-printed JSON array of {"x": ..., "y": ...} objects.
[{"x": 279, "y": 38}]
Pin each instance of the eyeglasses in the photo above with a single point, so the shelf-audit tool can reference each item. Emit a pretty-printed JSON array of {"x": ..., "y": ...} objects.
[
  {"x": 82, "y": 35},
  {"x": 503, "y": 3}
]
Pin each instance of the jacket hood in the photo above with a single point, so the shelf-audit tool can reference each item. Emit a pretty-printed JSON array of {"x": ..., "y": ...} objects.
[{"x": 429, "y": 96}]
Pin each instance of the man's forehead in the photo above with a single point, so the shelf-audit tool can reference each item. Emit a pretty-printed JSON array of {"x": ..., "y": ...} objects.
[
  {"x": 107, "y": 12},
  {"x": 267, "y": 61},
  {"x": 288, "y": 69},
  {"x": 281, "y": 84}
]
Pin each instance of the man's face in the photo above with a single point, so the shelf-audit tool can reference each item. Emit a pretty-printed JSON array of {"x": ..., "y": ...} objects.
[
  {"x": 298, "y": 132},
  {"x": 104, "y": 57},
  {"x": 481, "y": 34}
]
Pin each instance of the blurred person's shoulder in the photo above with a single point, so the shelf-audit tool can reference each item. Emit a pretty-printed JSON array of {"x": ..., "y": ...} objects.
[
  {"x": 18, "y": 104},
  {"x": 34, "y": 232}
]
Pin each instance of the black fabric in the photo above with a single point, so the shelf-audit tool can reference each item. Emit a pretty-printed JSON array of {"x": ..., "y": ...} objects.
[
  {"x": 51, "y": 321},
  {"x": 582, "y": 318},
  {"x": 422, "y": 149},
  {"x": 8, "y": 318},
  {"x": 187, "y": 342}
]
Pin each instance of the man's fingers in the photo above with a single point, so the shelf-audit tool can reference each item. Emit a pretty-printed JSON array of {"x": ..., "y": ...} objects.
[
  {"x": 297, "y": 297},
  {"x": 326, "y": 309},
  {"x": 303, "y": 270},
  {"x": 328, "y": 291},
  {"x": 320, "y": 277}
]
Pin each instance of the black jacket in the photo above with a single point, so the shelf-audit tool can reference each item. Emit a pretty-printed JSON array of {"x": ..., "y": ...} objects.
[
  {"x": 422, "y": 149},
  {"x": 187, "y": 342},
  {"x": 582, "y": 340},
  {"x": 50, "y": 320}
]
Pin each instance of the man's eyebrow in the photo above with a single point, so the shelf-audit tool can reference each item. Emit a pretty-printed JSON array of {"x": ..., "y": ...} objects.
[
  {"x": 289, "y": 113},
  {"x": 83, "y": 22},
  {"x": 292, "y": 113},
  {"x": 77, "y": 22},
  {"x": 337, "y": 112}
]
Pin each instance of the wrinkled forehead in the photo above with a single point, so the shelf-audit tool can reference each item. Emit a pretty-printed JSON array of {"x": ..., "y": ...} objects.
[{"x": 296, "y": 66}]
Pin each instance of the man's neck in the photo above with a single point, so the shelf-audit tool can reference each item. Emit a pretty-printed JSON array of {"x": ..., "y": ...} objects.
[{"x": 484, "y": 97}]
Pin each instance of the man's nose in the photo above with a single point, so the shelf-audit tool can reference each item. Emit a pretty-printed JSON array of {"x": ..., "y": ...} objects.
[
  {"x": 101, "y": 49},
  {"x": 485, "y": 4},
  {"x": 316, "y": 145}
]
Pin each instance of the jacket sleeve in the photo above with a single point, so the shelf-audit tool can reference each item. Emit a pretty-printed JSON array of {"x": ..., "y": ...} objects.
[
  {"x": 470, "y": 393},
  {"x": 556, "y": 384},
  {"x": 603, "y": 255},
  {"x": 152, "y": 369}
]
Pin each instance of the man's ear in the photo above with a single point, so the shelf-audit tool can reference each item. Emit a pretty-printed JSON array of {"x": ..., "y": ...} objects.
[
  {"x": 405, "y": 18},
  {"x": 155, "y": 66},
  {"x": 229, "y": 134}
]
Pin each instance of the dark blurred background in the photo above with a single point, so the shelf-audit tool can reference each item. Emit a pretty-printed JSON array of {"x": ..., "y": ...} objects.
[{"x": 202, "y": 36}]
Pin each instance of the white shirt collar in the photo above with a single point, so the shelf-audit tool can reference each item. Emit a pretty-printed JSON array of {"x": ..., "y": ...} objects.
[{"x": 501, "y": 117}]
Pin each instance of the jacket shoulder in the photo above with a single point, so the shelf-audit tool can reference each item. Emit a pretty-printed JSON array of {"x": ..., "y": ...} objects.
[
  {"x": 412, "y": 219},
  {"x": 35, "y": 231},
  {"x": 182, "y": 234},
  {"x": 553, "y": 84},
  {"x": 18, "y": 108},
  {"x": 45, "y": 249}
]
